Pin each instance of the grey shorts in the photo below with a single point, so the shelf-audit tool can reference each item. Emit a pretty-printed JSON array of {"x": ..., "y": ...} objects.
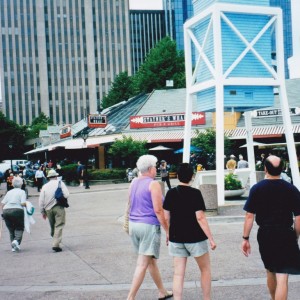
[
  {"x": 145, "y": 238},
  {"x": 188, "y": 249}
]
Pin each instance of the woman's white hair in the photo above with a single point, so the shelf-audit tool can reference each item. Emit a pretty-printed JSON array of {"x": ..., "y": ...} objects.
[
  {"x": 145, "y": 162},
  {"x": 17, "y": 182}
]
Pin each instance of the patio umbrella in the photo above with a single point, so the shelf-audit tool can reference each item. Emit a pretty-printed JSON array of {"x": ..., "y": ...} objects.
[
  {"x": 160, "y": 148},
  {"x": 254, "y": 144},
  {"x": 192, "y": 149}
]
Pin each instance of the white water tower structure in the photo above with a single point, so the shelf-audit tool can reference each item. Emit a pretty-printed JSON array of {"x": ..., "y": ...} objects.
[{"x": 233, "y": 70}]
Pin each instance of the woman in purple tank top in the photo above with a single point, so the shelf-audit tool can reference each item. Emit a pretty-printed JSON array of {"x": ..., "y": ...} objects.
[{"x": 145, "y": 218}]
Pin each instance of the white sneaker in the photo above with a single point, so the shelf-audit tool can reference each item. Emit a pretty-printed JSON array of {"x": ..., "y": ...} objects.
[
  {"x": 15, "y": 245},
  {"x": 13, "y": 250}
]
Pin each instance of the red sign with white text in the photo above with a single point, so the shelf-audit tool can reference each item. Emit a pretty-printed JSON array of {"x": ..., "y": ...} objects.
[
  {"x": 65, "y": 132},
  {"x": 165, "y": 120}
]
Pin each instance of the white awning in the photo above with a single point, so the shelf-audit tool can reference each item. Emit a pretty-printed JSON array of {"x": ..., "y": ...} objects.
[{"x": 78, "y": 143}]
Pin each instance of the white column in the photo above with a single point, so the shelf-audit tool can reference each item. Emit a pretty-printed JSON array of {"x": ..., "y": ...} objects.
[
  {"x": 188, "y": 104},
  {"x": 219, "y": 107},
  {"x": 250, "y": 147}
]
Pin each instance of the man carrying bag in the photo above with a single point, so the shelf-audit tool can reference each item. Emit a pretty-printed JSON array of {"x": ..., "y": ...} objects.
[{"x": 51, "y": 209}]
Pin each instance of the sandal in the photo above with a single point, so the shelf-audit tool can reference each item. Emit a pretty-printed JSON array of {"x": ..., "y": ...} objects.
[{"x": 168, "y": 295}]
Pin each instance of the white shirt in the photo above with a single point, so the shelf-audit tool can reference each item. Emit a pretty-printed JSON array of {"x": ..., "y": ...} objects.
[
  {"x": 47, "y": 200},
  {"x": 14, "y": 199}
]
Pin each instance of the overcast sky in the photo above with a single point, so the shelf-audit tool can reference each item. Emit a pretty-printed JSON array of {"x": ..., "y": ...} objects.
[{"x": 145, "y": 4}]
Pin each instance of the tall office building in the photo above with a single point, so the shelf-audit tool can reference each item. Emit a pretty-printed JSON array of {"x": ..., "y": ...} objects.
[
  {"x": 285, "y": 5},
  {"x": 291, "y": 35},
  {"x": 60, "y": 56},
  {"x": 181, "y": 11},
  {"x": 147, "y": 27}
]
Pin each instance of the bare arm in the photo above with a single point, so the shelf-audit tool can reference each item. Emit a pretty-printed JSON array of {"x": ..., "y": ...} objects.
[
  {"x": 156, "y": 195},
  {"x": 297, "y": 226},
  {"x": 200, "y": 215},
  {"x": 248, "y": 224}
]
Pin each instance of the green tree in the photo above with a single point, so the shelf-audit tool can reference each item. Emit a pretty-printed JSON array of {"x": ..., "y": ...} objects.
[
  {"x": 122, "y": 89},
  {"x": 12, "y": 137},
  {"x": 39, "y": 123},
  {"x": 206, "y": 141},
  {"x": 162, "y": 63},
  {"x": 128, "y": 150}
]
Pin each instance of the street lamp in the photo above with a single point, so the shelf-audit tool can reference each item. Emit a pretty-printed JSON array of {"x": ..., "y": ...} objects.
[
  {"x": 84, "y": 136},
  {"x": 10, "y": 146}
]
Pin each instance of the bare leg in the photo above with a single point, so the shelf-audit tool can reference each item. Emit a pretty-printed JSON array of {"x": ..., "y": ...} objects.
[
  {"x": 155, "y": 274},
  {"x": 178, "y": 278},
  {"x": 282, "y": 287},
  {"x": 204, "y": 266},
  {"x": 272, "y": 283},
  {"x": 139, "y": 275}
]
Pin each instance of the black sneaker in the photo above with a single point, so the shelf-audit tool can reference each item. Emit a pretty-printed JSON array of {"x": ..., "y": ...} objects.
[{"x": 56, "y": 249}]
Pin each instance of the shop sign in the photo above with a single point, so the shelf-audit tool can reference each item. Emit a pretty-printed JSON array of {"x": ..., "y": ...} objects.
[
  {"x": 273, "y": 112},
  {"x": 97, "y": 121},
  {"x": 165, "y": 120},
  {"x": 65, "y": 132}
]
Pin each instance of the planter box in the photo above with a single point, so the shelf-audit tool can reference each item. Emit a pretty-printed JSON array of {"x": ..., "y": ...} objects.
[
  {"x": 234, "y": 193},
  {"x": 210, "y": 196},
  {"x": 172, "y": 175}
]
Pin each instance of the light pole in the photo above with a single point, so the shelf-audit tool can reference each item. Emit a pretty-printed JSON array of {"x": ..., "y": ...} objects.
[
  {"x": 10, "y": 146},
  {"x": 84, "y": 136}
]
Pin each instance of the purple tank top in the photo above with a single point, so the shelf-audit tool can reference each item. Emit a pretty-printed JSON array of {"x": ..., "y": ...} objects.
[{"x": 141, "y": 207}]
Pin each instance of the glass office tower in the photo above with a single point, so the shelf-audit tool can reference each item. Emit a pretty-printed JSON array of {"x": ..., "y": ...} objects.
[
  {"x": 60, "y": 57},
  {"x": 285, "y": 5},
  {"x": 181, "y": 11}
]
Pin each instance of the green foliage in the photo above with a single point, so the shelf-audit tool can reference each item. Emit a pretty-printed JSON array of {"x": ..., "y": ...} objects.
[
  {"x": 173, "y": 168},
  {"x": 69, "y": 172},
  {"x": 128, "y": 150},
  {"x": 206, "y": 141},
  {"x": 232, "y": 182},
  {"x": 122, "y": 89},
  {"x": 39, "y": 123},
  {"x": 11, "y": 134},
  {"x": 41, "y": 119},
  {"x": 162, "y": 63},
  {"x": 107, "y": 174}
]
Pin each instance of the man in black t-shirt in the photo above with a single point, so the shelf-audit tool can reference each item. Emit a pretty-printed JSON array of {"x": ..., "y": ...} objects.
[
  {"x": 188, "y": 233},
  {"x": 274, "y": 203}
]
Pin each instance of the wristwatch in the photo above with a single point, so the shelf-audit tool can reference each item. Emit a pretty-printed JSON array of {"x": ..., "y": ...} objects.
[{"x": 246, "y": 238}]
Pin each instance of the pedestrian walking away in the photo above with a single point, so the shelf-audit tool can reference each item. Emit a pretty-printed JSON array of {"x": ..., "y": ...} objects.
[
  {"x": 164, "y": 173},
  {"x": 39, "y": 178},
  {"x": 242, "y": 163},
  {"x": 50, "y": 209},
  {"x": 231, "y": 163},
  {"x": 189, "y": 231},
  {"x": 13, "y": 213},
  {"x": 145, "y": 219},
  {"x": 273, "y": 203}
]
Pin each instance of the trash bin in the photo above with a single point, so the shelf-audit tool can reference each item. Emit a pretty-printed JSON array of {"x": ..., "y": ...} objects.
[{"x": 210, "y": 196}]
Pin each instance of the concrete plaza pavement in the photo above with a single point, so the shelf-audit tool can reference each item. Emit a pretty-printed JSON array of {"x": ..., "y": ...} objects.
[{"x": 98, "y": 261}]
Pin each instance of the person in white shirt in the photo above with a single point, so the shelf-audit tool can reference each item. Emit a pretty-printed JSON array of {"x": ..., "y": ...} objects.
[
  {"x": 13, "y": 213},
  {"x": 50, "y": 209}
]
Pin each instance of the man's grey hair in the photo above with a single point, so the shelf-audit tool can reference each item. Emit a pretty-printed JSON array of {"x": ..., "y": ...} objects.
[
  {"x": 17, "y": 182},
  {"x": 145, "y": 162}
]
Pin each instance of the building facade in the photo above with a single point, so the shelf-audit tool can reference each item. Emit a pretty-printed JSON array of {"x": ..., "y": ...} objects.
[
  {"x": 181, "y": 10},
  {"x": 60, "y": 57},
  {"x": 147, "y": 27},
  {"x": 285, "y": 5}
]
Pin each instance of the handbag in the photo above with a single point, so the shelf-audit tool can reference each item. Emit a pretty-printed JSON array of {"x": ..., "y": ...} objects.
[{"x": 59, "y": 196}]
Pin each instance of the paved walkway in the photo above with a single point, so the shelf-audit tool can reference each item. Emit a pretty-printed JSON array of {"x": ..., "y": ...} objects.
[{"x": 98, "y": 262}]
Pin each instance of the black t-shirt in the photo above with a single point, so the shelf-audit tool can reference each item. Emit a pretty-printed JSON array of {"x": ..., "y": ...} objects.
[
  {"x": 182, "y": 202},
  {"x": 274, "y": 201}
]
